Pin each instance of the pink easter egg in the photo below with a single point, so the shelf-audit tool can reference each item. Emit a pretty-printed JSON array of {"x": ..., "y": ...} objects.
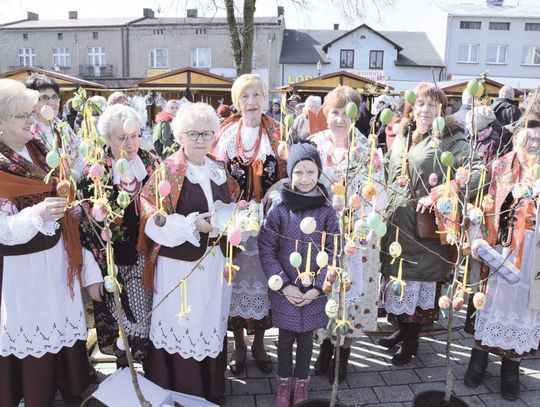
[
  {"x": 96, "y": 172},
  {"x": 106, "y": 235},
  {"x": 235, "y": 237},
  {"x": 457, "y": 303},
  {"x": 164, "y": 188},
  {"x": 433, "y": 179},
  {"x": 229, "y": 270},
  {"x": 243, "y": 204},
  {"x": 350, "y": 249},
  {"x": 99, "y": 212}
]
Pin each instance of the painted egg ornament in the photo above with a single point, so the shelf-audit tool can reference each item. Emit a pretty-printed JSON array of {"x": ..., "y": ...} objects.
[
  {"x": 243, "y": 204},
  {"x": 99, "y": 211},
  {"x": 354, "y": 201},
  {"x": 47, "y": 113},
  {"x": 331, "y": 275},
  {"x": 308, "y": 225},
  {"x": 369, "y": 191},
  {"x": 410, "y": 96},
  {"x": 452, "y": 238},
  {"x": 234, "y": 237},
  {"x": 462, "y": 176},
  {"x": 444, "y": 206},
  {"x": 328, "y": 148},
  {"x": 386, "y": 115},
  {"x": 295, "y": 259},
  {"x": 109, "y": 284},
  {"x": 63, "y": 188},
  {"x": 479, "y": 300},
  {"x": 130, "y": 125},
  {"x": 403, "y": 181},
  {"x": 488, "y": 202},
  {"x": 447, "y": 159},
  {"x": 123, "y": 199},
  {"x": 121, "y": 166},
  {"x": 289, "y": 120},
  {"x": 351, "y": 110},
  {"x": 338, "y": 188},
  {"x": 472, "y": 87},
  {"x": 438, "y": 125},
  {"x": 444, "y": 302},
  {"x": 53, "y": 159},
  {"x": 306, "y": 280},
  {"x": 395, "y": 249},
  {"x": 227, "y": 270},
  {"x": 381, "y": 229},
  {"x": 343, "y": 328},
  {"x": 96, "y": 172},
  {"x": 457, "y": 303},
  {"x": 331, "y": 308},
  {"x": 476, "y": 216},
  {"x": 106, "y": 235},
  {"x": 480, "y": 90},
  {"x": 275, "y": 282},
  {"x": 350, "y": 249},
  {"x": 283, "y": 150},
  {"x": 396, "y": 287},
  {"x": 120, "y": 344},
  {"x": 159, "y": 219},
  {"x": 373, "y": 220},
  {"x": 338, "y": 202},
  {"x": 164, "y": 188},
  {"x": 433, "y": 179},
  {"x": 321, "y": 259},
  {"x": 361, "y": 227}
]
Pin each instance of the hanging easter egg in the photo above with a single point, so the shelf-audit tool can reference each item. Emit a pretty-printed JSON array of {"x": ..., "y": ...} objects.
[
  {"x": 123, "y": 199},
  {"x": 331, "y": 308},
  {"x": 96, "y": 172},
  {"x": 229, "y": 273},
  {"x": 480, "y": 90},
  {"x": 438, "y": 125},
  {"x": 243, "y": 204},
  {"x": 381, "y": 229},
  {"x": 462, "y": 176},
  {"x": 466, "y": 249},
  {"x": 354, "y": 201},
  {"x": 521, "y": 140},
  {"x": 275, "y": 282},
  {"x": 328, "y": 148},
  {"x": 164, "y": 188},
  {"x": 308, "y": 225},
  {"x": 130, "y": 126},
  {"x": 321, "y": 259},
  {"x": 121, "y": 166},
  {"x": 526, "y": 191},
  {"x": 350, "y": 249},
  {"x": 396, "y": 287},
  {"x": 306, "y": 280},
  {"x": 159, "y": 219},
  {"x": 283, "y": 150},
  {"x": 395, "y": 249},
  {"x": 410, "y": 96},
  {"x": 386, "y": 115},
  {"x": 444, "y": 206},
  {"x": 403, "y": 181},
  {"x": 361, "y": 227},
  {"x": 289, "y": 120},
  {"x": 99, "y": 211},
  {"x": 47, "y": 113},
  {"x": 343, "y": 328},
  {"x": 106, "y": 235},
  {"x": 338, "y": 202},
  {"x": 234, "y": 237},
  {"x": 444, "y": 302},
  {"x": 338, "y": 188},
  {"x": 452, "y": 238},
  {"x": 488, "y": 202},
  {"x": 86, "y": 148},
  {"x": 295, "y": 259},
  {"x": 63, "y": 188},
  {"x": 373, "y": 220},
  {"x": 351, "y": 110},
  {"x": 433, "y": 179},
  {"x": 53, "y": 159},
  {"x": 447, "y": 159},
  {"x": 479, "y": 300},
  {"x": 472, "y": 87},
  {"x": 476, "y": 216},
  {"x": 120, "y": 344},
  {"x": 457, "y": 303},
  {"x": 109, "y": 284},
  {"x": 331, "y": 275},
  {"x": 369, "y": 191}
]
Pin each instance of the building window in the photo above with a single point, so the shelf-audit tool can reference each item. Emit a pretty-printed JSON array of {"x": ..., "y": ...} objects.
[
  {"x": 27, "y": 56},
  {"x": 61, "y": 57},
  {"x": 376, "y": 59},
  {"x": 200, "y": 31},
  {"x": 531, "y": 55},
  {"x": 496, "y": 54},
  {"x": 95, "y": 35},
  {"x": 499, "y": 26},
  {"x": 159, "y": 58},
  {"x": 468, "y": 53},
  {"x": 96, "y": 56},
  {"x": 60, "y": 36},
  {"x": 532, "y": 26},
  {"x": 470, "y": 25},
  {"x": 346, "y": 58},
  {"x": 201, "y": 57},
  {"x": 158, "y": 31},
  {"x": 25, "y": 36}
]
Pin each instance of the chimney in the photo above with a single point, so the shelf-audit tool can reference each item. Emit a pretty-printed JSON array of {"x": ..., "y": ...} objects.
[
  {"x": 336, "y": 27},
  {"x": 192, "y": 13},
  {"x": 148, "y": 12},
  {"x": 280, "y": 11},
  {"x": 72, "y": 15},
  {"x": 32, "y": 16}
]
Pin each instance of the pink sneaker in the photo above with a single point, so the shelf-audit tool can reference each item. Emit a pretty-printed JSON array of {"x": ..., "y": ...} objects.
[
  {"x": 283, "y": 394},
  {"x": 301, "y": 388}
]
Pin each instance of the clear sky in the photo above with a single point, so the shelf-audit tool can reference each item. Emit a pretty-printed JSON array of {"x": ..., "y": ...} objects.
[{"x": 404, "y": 15}]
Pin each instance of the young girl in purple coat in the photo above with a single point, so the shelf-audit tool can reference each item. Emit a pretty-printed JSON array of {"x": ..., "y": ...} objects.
[{"x": 298, "y": 307}]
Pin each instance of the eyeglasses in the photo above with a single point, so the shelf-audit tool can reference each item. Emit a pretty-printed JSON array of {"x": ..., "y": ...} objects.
[
  {"x": 422, "y": 103},
  {"x": 46, "y": 98},
  {"x": 24, "y": 116},
  {"x": 194, "y": 135}
]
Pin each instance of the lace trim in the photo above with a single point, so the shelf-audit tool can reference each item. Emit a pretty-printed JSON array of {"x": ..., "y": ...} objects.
[
  {"x": 508, "y": 337},
  {"x": 230, "y": 143},
  {"x": 191, "y": 227},
  {"x": 214, "y": 170},
  {"x": 249, "y": 302},
  {"x": 417, "y": 294}
]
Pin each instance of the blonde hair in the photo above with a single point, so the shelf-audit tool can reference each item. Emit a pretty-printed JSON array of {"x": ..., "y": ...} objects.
[
  {"x": 244, "y": 82},
  {"x": 115, "y": 113},
  {"x": 194, "y": 113},
  {"x": 14, "y": 97},
  {"x": 339, "y": 97}
]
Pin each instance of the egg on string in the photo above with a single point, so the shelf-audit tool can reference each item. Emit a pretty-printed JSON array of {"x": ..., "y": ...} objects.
[
  {"x": 444, "y": 206},
  {"x": 308, "y": 225},
  {"x": 457, "y": 303},
  {"x": 52, "y": 159},
  {"x": 121, "y": 166},
  {"x": 338, "y": 202},
  {"x": 476, "y": 216},
  {"x": 386, "y": 115},
  {"x": 159, "y": 219},
  {"x": 106, "y": 235},
  {"x": 369, "y": 191},
  {"x": 497, "y": 166},
  {"x": 438, "y": 125},
  {"x": 109, "y": 284},
  {"x": 130, "y": 126},
  {"x": 351, "y": 110},
  {"x": 433, "y": 179},
  {"x": 96, "y": 172},
  {"x": 452, "y": 238},
  {"x": 289, "y": 120},
  {"x": 395, "y": 249},
  {"x": 472, "y": 87},
  {"x": 488, "y": 202},
  {"x": 381, "y": 229},
  {"x": 373, "y": 220},
  {"x": 229, "y": 271},
  {"x": 306, "y": 280},
  {"x": 331, "y": 275},
  {"x": 447, "y": 159},
  {"x": 99, "y": 211},
  {"x": 403, "y": 181},
  {"x": 295, "y": 259},
  {"x": 283, "y": 150},
  {"x": 164, "y": 188},
  {"x": 234, "y": 237},
  {"x": 410, "y": 96},
  {"x": 363, "y": 241},
  {"x": 350, "y": 248},
  {"x": 47, "y": 113},
  {"x": 361, "y": 227},
  {"x": 275, "y": 282},
  {"x": 396, "y": 287},
  {"x": 354, "y": 201},
  {"x": 322, "y": 259},
  {"x": 444, "y": 302},
  {"x": 63, "y": 188},
  {"x": 462, "y": 176},
  {"x": 120, "y": 344},
  {"x": 479, "y": 300},
  {"x": 123, "y": 199},
  {"x": 331, "y": 308}
]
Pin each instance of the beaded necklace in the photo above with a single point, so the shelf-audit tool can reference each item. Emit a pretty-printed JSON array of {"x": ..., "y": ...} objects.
[{"x": 254, "y": 149}]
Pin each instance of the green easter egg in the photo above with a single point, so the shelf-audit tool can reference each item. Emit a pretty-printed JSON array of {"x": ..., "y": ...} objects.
[
  {"x": 410, "y": 97},
  {"x": 351, "y": 110},
  {"x": 295, "y": 259},
  {"x": 386, "y": 116},
  {"x": 447, "y": 159}
]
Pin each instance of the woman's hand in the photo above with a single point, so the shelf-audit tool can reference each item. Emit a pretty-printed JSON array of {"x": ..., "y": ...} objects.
[
  {"x": 52, "y": 208},
  {"x": 309, "y": 296},
  {"x": 95, "y": 291},
  {"x": 424, "y": 203},
  {"x": 293, "y": 294},
  {"x": 202, "y": 222}
]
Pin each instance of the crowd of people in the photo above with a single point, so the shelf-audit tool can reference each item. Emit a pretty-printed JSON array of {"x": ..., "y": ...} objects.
[{"x": 50, "y": 250}]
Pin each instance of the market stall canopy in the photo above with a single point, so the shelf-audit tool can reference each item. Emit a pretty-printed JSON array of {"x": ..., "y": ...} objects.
[
  {"x": 455, "y": 88},
  {"x": 66, "y": 83},
  {"x": 186, "y": 78}
]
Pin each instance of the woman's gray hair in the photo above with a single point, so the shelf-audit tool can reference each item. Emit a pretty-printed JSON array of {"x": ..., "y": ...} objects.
[
  {"x": 314, "y": 101},
  {"x": 14, "y": 97},
  {"x": 114, "y": 113},
  {"x": 193, "y": 113}
]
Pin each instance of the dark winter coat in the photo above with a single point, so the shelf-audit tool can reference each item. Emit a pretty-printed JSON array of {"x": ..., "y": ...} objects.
[{"x": 506, "y": 111}]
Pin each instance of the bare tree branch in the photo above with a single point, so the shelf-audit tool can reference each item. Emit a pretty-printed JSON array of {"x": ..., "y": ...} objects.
[{"x": 236, "y": 45}]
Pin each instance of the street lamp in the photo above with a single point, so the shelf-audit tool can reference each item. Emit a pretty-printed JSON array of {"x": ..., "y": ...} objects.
[{"x": 319, "y": 67}]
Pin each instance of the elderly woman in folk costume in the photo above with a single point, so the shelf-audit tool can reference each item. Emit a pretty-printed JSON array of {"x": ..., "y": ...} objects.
[
  {"x": 186, "y": 259},
  {"x": 342, "y": 164},
  {"x": 421, "y": 258},
  {"x": 128, "y": 168},
  {"x": 507, "y": 319},
  {"x": 43, "y": 267},
  {"x": 248, "y": 143}
]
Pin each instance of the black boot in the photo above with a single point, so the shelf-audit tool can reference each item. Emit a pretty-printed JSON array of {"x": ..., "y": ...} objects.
[
  {"x": 392, "y": 340},
  {"x": 510, "y": 379},
  {"x": 409, "y": 347},
  {"x": 344, "y": 354},
  {"x": 326, "y": 352},
  {"x": 477, "y": 366}
]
